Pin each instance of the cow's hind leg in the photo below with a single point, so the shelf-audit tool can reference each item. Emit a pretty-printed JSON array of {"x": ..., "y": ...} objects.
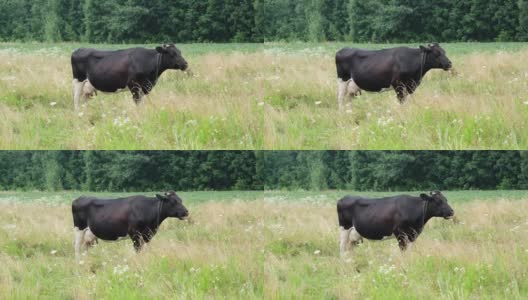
[
  {"x": 342, "y": 88},
  {"x": 78, "y": 87},
  {"x": 344, "y": 235},
  {"x": 89, "y": 239},
  {"x": 354, "y": 237},
  {"x": 353, "y": 90},
  {"x": 348, "y": 239},
  {"x": 88, "y": 91},
  {"x": 78, "y": 242}
]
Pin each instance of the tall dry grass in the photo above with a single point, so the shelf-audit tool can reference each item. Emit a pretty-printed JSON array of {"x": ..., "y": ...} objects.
[
  {"x": 268, "y": 249},
  {"x": 268, "y": 100}
]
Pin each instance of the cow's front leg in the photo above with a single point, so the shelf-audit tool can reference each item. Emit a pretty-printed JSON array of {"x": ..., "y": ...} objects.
[
  {"x": 89, "y": 239},
  {"x": 137, "y": 93},
  {"x": 401, "y": 92},
  {"x": 138, "y": 243},
  {"x": 137, "y": 239},
  {"x": 403, "y": 241}
]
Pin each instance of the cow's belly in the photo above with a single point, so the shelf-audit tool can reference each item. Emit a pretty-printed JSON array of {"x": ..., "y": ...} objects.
[
  {"x": 370, "y": 232},
  {"x": 108, "y": 84},
  {"x": 372, "y": 84},
  {"x": 372, "y": 79},
  {"x": 108, "y": 233}
]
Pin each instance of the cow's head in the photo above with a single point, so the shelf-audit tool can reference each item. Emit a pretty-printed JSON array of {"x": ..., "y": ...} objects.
[
  {"x": 437, "y": 205},
  {"x": 172, "y": 56},
  {"x": 173, "y": 205},
  {"x": 436, "y": 57}
]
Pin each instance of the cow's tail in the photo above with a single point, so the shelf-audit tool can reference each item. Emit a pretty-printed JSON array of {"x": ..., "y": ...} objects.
[
  {"x": 340, "y": 216},
  {"x": 79, "y": 214},
  {"x": 342, "y": 65}
]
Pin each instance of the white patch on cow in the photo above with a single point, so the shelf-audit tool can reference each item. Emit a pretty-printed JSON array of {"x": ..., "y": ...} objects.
[
  {"x": 348, "y": 239},
  {"x": 346, "y": 89},
  {"x": 343, "y": 240},
  {"x": 77, "y": 92},
  {"x": 89, "y": 91},
  {"x": 354, "y": 236},
  {"x": 353, "y": 89},
  {"x": 78, "y": 242},
  {"x": 89, "y": 239}
]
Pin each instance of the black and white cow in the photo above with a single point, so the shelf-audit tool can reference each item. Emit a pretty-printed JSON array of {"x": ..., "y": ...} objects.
[
  {"x": 136, "y": 217},
  {"x": 137, "y": 69},
  {"x": 403, "y": 217},
  {"x": 401, "y": 69}
]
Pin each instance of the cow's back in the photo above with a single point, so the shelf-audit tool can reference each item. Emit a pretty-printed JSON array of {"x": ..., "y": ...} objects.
[{"x": 83, "y": 59}]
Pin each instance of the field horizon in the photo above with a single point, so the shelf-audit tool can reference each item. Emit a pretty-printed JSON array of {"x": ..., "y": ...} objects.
[
  {"x": 273, "y": 245},
  {"x": 266, "y": 96}
]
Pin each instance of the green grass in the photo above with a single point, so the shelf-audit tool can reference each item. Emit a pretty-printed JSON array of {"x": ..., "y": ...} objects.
[
  {"x": 332, "y": 196},
  {"x": 58, "y": 198},
  {"x": 294, "y": 48},
  {"x": 266, "y": 96},
  {"x": 277, "y": 245}
]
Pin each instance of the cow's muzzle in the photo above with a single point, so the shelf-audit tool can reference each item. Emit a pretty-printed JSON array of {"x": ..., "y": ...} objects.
[
  {"x": 184, "y": 216},
  {"x": 450, "y": 215}
]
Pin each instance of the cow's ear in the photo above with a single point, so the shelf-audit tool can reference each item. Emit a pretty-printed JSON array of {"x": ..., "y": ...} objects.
[
  {"x": 425, "y": 197},
  {"x": 161, "y": 50},
  {"x": 161, "y": 197}
]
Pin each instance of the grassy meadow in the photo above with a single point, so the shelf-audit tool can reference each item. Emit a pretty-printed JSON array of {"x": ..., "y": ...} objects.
[
  {"x": 266, "y": 96},
  {"x": 277, "y": 245}
]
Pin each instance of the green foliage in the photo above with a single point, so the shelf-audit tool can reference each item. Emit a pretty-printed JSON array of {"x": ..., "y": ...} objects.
[
  {"x": 396, "y": 170},
  {"x": 128, "y": 170},
  {"x": 141, "y": 21},
  {"x": 133, "y": 171},
  {"x": 523, "y": 20}
]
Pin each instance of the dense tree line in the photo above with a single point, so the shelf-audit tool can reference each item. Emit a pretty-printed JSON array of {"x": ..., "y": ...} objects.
[
  {"x": 248, "y": 170},
  {"x": 128, "y": 171},
  {"x": 385, "y": 171},
  {"x": 142, "y": 21}
]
